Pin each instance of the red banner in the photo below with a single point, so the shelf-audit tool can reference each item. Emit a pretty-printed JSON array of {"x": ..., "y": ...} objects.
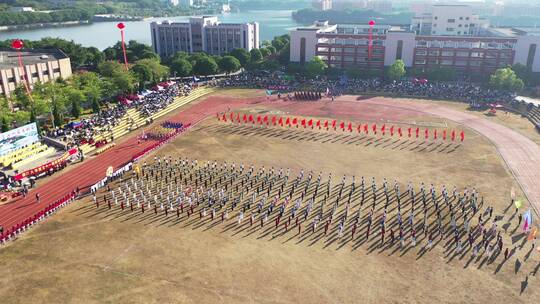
[{"x": 45, "y": 167}]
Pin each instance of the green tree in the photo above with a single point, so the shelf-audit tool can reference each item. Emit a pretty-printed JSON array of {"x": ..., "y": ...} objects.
[
  {"x": 182, "y": 67},
  {"x": 96, "y": 107},
  {"x": 523, "y": 72},
  {"x": 397, "y": 70},
  {"x": 229, "y": 64},
  {"x": 255, "y": 55},
  {"x": 506, "y": 79},
  {"x": 5, "y": 124},
  {"x": 316, "y": 66},
  {"x": 265, "y": 52},
  {"x": 242, "y": 55},
  {"x": 149, "y": 71},
  {"x": 124, "y": 81},
  {"x": 205, "y": 66}
]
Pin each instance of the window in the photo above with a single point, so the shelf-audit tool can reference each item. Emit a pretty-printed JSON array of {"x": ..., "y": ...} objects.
[
  {"x": 460, "y": 18},
  {"x": 421, "y": 53},
  {"x": 461, "y": 62},
  {"x": 436, "y": 18},
  {"x": 451, "y": 20},
  {"x": 399, "y": 49},
  {"x": 475, "y": 63},
  {"x": 477, "y": 54},
  {"x": 433, "y": 61},
  {"x": 435, "y": 25},
  {"x": 530, "y": 55},
  {"x": 420, "y": 61},
  {"x": 466, "y": 18},
  {"x": 421, "y": 43},
  {"x": 433, "y": 53},
  {"x": 447, "y": 53},
  {"x": 449, "y": 29},
  {"x": 460, "y": 25},
  {"x": 446, "y": 62},
  {"x": 462, "y": 54},
  {"x": 434, "y": 32}
]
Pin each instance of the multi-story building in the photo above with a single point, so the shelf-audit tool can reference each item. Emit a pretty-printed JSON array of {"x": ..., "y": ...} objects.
[
  {"x": 203, "y": 34},
  {"x": 448, "y": 20},
  {"x": 39, "y": 66},
  {"x": 322, "y": 5},
  {"x": 344, "y": 46}
]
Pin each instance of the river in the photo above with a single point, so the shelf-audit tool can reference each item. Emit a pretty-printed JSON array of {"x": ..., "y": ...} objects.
[{"x": 104, "y": 34}]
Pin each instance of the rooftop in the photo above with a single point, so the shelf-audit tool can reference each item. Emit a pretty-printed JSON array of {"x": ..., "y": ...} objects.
[{"x": 9, "y": 59}]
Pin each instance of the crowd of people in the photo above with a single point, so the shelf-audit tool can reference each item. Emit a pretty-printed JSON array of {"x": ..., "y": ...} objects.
[
  {"x": 473, "y": 94},
  {"x": 84, "y": 131},
  {"x": 385, "y": 214}
]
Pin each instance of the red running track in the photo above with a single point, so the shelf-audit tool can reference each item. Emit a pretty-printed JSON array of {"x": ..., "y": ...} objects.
[{"x": 93, "y": 169}]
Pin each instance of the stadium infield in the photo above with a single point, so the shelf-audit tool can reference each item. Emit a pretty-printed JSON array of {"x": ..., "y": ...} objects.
[{"x": 92, "y": 255}]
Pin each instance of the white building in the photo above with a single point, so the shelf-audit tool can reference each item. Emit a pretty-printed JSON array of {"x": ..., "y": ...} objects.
[
  {"x": 448, "y": 20},
  {"x": 322, "y": 5},
  {"x": 203, "y": 34},
  {"x": 347, "y": 45},
  {"x": 19, "y": 9}
]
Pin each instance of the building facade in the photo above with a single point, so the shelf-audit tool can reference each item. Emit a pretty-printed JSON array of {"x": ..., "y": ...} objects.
[
  {"x": 344, "y": 46},
  {"x": 322, "y": 5},
  {"x": 39, "y": 66},
  {"x": 203, "y": 34},
  {"x": 448, "y": 20}
]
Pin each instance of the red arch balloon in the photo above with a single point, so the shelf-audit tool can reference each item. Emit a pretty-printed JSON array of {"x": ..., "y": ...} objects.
[{"x": 121, "y": 26}]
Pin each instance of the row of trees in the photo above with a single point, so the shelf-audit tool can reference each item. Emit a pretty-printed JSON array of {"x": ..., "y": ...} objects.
[
  {"x": 84, "y": 92},
  {"x": 268, "y": 57}
]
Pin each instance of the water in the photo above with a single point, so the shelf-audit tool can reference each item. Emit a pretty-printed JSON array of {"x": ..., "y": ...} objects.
[{"x": 104, "y": 34}]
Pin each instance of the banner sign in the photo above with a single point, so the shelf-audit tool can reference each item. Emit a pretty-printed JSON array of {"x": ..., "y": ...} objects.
[
  {"x": 45, "y": 167},
  {"x": 15, "y": 139}
]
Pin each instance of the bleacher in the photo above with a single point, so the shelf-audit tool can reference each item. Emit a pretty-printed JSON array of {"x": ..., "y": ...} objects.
[
  {"x": 534, "y": 116},
  {"x": 28, "y": 154},
  {"x": 133, "y": 119}
]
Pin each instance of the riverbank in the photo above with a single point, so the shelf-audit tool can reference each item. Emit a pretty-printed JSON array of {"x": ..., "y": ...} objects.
[{"x": 23, "y": 27}]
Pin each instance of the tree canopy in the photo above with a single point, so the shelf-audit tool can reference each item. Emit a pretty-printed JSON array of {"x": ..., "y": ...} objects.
[
  {"x": 397, "y": 70},
  {"x": 506, "y": 79}
]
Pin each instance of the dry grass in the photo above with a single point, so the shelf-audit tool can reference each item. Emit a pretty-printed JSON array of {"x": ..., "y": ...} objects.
[{"x": 86, "y": 256}]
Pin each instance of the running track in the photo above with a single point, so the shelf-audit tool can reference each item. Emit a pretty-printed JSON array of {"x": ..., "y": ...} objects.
[{"x": 520, "y": 153}]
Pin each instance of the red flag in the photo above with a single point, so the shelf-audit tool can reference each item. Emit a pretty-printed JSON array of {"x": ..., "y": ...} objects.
[
  {"x": 435, "y": 134},
  {"x": 350, "y": 127},
  {"x": 281, "y": 121},
  {"x": 294, "y": 121},
  {"x": 251, "y": 117},
  {"x": 417, "y": 132},
  {"x": 409, "y": 130},
  {"x": 383, "y": 128},
  {"x": 259, "y": 120},
  {"x": 462, "y": 135},
  {"x": 399, "y": 132},
  {"x": 374, "y": 128},
  {"x": 326, "y": 124},
  {"x": 245, "y": 118},
  {"x": 444, "y": 134},
  {"x": 359, "y": 128},
  {"x": 232, "y": 116},
  {"x": 366, "y": 128},
  {"x": 334, "y": 124},
  {"x": 392, "y": 131},
  {"x": 453, "y": 135},
  {"x": 319, "y": 124},
  {"x": 274, "y": 120},
  {"x": 304, "y": 122},
  {"x": 238, "y": 117},
  {"x": 288, "y": 121},
  {"x": 342, "y": 125},
  {"x": 310, "y": 123},
  {"x": 426, "y": 133},
  {"x": 224, "y": 117}
]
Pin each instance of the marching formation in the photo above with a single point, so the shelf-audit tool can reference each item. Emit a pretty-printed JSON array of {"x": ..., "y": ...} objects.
[
  {"x": 374, "y": 129},
  {"x": 385, "y": 215}
]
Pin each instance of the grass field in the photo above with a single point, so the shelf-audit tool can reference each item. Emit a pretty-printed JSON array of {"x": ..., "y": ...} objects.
[{"x": 89, "y": 255}]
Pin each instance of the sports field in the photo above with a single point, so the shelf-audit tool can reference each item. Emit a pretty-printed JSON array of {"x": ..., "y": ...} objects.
[{"x": 89, "y": 254}]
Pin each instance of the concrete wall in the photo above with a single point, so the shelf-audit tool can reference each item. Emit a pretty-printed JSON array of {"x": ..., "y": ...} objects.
[
  {"x": 522, "y": 51},
  {"x": 311, "y": 44},
  {"x": 391, "y": 43}
]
